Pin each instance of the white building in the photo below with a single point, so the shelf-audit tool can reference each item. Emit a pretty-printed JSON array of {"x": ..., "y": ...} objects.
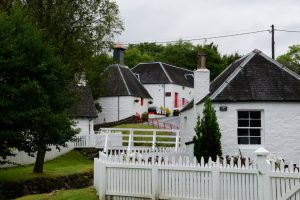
[
  {"x": 170, "y": 86},
  {"x": 84, "y": 112},
  {"x": 123, "y": 95},
  {"x": 257, "y": 102}
]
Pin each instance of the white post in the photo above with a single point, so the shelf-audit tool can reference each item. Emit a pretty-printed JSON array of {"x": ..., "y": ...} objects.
[
  {"x": 130, "y": 140},
  {"x": 177, "y": 141},
  {"x": 216, "y": 181},
  {"x": 102, "y": 175},
  {"x": 106, "y": 143},
  {"x": 154, "y": 140},
  {"x": 154, "y": 181},
  {"x": 264, "y": 181}
]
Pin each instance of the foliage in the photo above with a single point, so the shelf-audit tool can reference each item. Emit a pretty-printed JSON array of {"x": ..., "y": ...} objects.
[
  {"x": 291, "y": 59},
  {"x": 133, "y": 56},
  {"x": 207, "y": 140},
  {"x": 176, "y": 112},
  {"x": 70, "y": 163},
  {"x": 145, "y": 116},
  {"x": 75, "y": 194},
  {"x": 168, "y": 112},
  {"x": 34, "y": 87},
  {"x": 182, "y": 54}
]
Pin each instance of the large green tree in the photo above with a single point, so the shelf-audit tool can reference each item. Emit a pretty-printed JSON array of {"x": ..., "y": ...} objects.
[
  {"x": 291, "y": 59},
  {"x": 35, "y": 91},
  {"x": 207, "y": 142}
]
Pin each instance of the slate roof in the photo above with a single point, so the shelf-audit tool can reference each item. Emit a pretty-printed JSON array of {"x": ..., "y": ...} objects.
[
  {"x": 85, "y": 107},
  {"x": 162, "y": 73},
  {"x": 254, "y": 77},
  {"x": 120, "y": 81}
]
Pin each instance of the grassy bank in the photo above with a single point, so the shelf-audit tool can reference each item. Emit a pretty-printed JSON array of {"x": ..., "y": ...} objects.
[
  {"x": 70, "y": 163},
  {"x": 77, "y": 194}
]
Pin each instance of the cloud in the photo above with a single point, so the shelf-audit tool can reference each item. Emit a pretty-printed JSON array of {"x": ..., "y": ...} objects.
[{"x": 165, "y": 20}]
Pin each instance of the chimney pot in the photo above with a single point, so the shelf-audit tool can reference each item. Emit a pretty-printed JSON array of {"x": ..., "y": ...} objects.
[{"x": 201, "y": 60}]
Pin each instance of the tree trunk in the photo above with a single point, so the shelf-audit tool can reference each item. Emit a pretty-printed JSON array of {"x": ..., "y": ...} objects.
[{"x": 39, "y": 162}]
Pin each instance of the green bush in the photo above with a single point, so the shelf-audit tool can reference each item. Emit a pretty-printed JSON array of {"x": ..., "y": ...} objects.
[
  {"x": 176, "y": 113},
  {"x": 168, "y": 112},
  {"x": 145, "y": 116}
]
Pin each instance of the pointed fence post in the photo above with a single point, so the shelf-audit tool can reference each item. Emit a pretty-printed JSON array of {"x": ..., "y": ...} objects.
[
  {"x": 154, "y": 140},
  {"x": 101, "y": 175},
  {"x": 177, "y": 141},
  {"x": 264, "y": 181},
  {"x": 216, "y": 180}
]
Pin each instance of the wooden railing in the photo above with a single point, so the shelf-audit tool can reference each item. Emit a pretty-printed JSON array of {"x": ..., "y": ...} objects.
[{"x": 129, "y": 139}]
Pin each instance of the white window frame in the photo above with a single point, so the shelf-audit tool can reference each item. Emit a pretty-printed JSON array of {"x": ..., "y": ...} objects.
[{"x": 262, "y": 120}]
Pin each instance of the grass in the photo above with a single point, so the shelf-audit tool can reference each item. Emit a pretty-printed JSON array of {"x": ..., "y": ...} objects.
[
  {"x": 70, "y": 163},
  {"x": 76, "y": 194},
  {"x": 144, "y": 135}
]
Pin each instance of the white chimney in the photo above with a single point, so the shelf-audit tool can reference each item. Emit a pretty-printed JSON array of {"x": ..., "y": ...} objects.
[{"x": 201, "y": 78}]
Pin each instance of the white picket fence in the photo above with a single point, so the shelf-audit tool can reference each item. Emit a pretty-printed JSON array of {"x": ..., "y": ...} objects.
[
  {"x": 120, "y": 176},
  {"x": 129, "y": 139}
]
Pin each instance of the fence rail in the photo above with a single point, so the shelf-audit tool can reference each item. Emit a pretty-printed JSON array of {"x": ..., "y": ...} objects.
[
  {"x": 129, "y": 139},
  {"x": 171, "y": 177}
]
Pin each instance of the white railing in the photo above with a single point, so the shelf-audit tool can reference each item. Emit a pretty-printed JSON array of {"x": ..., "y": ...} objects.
[
  {"x": 129, "y": 139},
  {"x": 163, "y": 177}
]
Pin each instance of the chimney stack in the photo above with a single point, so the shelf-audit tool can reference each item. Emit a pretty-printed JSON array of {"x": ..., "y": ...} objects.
[
  {"x": 201, "y": 78},
  {"x": 119, "y": 50},
  {"x": 201, "y": 60}
]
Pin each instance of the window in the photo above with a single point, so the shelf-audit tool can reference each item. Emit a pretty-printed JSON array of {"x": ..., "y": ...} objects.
[
  {"x": 183, "y": 102},
  {"x": 168, "y": 94},
  {"x": 142, "y": 101},
  {"x": 249, "y": 127}
]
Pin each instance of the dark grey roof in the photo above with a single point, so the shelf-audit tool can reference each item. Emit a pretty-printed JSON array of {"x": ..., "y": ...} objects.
[
  {"x": 162, "y": 73},
  {"x": 188, "y": 106},
  {"x": 255, "y": 77},
  {"x": 118, "y": 80},
  {"x": 85, "y": 107}
]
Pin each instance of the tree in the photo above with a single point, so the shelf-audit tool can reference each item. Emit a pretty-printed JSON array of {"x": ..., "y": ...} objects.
[
  {"x": 133, "y": 56},
  {"x": 182, "y": 54},
  {"x": 35, "y": 91},
  {"x": 291, "y": 59},
  {"x": 207, "y": 140}
]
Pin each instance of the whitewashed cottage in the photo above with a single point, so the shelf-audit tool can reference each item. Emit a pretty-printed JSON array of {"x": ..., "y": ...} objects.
[
  {"x": 257, "y": 102},
  {"x": 123, "y": 95},
  {"x": 170, "y": 86}
]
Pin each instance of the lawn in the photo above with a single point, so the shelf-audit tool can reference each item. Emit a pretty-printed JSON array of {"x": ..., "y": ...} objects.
[
  {"x": 145, "y": 138},
  {"x": 70, "y": 163},
  {"x": 76, "y": 194}
]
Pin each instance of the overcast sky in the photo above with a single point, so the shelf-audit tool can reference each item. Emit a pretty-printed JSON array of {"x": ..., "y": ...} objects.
[{"x": 165, "y": 20}]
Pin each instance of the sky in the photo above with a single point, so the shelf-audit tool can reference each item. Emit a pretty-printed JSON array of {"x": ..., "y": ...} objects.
[{"x": 168, "y": 20}]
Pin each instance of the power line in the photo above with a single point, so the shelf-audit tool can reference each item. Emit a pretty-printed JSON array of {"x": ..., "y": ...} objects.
[
  {"x": 287, "y": 31},
  {"x": 210, "y": 37}
]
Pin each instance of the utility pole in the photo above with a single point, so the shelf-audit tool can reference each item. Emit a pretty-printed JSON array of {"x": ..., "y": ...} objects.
[{"x": 273, "y": 41}]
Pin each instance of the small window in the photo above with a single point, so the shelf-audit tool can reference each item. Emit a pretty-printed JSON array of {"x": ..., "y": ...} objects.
[
  {"x": 142, "y": 101},
  {"x": 168, "y": 94},
  {"x": 249, "y": 127}
]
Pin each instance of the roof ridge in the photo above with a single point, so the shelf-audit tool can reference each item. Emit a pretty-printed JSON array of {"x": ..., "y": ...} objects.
[
  {"x": 177, "y": 67},
  {"x": 233, "y": 75},
  {"x": 129, "y": 93},
  {"x": 161, "y": 65}
]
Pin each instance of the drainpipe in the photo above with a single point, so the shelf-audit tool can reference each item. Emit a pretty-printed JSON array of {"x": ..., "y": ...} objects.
[
  {"x": 118, "y": 108},
  {"x": 164, "y": 96}
]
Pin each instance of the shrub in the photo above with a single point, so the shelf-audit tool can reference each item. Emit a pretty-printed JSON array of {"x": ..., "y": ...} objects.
[
  {"x": 176, "y": 113},
  {"x": 168, "y": 112},
  {"x": 145, "y": 116}
]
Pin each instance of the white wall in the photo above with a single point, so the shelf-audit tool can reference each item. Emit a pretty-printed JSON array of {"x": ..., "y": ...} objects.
[
  {"x": 127, "y": 108},
  {"x": 157, "y": 92},
  {"x": 280, "y": 133},
  {"x": 86, "y": 125}
]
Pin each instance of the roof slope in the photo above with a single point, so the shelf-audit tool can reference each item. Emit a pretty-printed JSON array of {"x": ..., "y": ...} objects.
[
  {"x": 162, "y": 73},
  {"x": 120, "y": 81},
  {"x": 255, "y": 77},
  {"x": 85, "y": 107}
]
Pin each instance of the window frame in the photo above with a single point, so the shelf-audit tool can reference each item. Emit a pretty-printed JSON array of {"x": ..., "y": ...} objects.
[{"x": 261, "y": 127}]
